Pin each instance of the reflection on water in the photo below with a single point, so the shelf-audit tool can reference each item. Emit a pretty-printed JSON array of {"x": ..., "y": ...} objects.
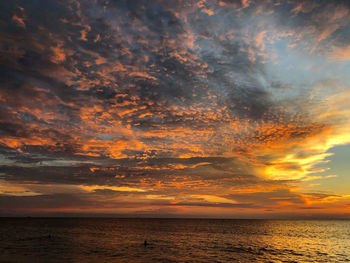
[{"x": 173, "y": 240}]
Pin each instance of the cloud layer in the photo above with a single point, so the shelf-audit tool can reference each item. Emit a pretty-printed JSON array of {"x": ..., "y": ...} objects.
[{"x": 207, "y": 108}]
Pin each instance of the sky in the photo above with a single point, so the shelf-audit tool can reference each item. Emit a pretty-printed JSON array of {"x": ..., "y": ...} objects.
[{"x": 228, "y": 108}]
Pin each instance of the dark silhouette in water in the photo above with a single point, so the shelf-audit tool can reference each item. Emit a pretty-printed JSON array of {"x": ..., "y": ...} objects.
[{"x": 145, "y": 243}]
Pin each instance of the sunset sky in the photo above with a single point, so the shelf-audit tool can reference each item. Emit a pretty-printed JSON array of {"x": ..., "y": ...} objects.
[{"x": 228, "y": 108}]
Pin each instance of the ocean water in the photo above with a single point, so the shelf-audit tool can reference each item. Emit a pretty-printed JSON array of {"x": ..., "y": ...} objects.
[{"x": 173, "y": 240}]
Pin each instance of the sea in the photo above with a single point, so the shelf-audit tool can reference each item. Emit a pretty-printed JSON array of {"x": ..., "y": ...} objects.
[{"x": 173, "y": 240}]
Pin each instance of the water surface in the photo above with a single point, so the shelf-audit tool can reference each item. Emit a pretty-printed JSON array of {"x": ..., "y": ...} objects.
[{"x": 173, "y": 240}]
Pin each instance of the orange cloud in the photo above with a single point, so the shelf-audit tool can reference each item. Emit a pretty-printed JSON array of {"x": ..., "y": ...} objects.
[
  {"x": 341, "y": 53},
  {"x": 18, "y": 20}
]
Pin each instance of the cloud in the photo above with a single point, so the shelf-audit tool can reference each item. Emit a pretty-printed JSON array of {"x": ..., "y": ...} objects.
[{"x": 107, "y": 99}]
